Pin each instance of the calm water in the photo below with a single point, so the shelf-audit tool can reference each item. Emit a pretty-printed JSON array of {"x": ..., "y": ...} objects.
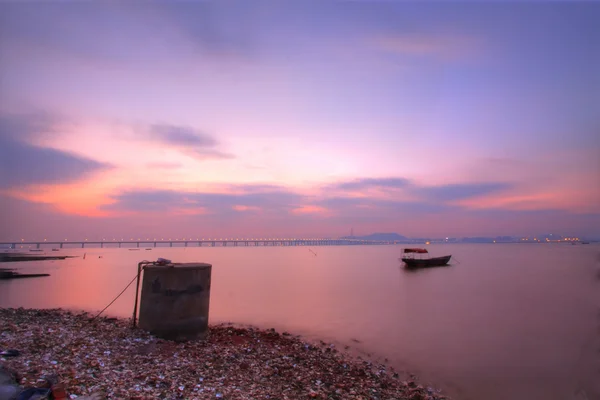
[{"x": 507, "y": 322}]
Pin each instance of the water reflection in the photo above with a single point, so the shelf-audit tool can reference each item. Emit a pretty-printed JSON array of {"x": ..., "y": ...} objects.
[{"x": 508, "y": 322}]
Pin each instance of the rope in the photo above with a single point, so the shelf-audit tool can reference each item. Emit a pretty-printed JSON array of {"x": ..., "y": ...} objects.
[{"x": 115, "y": 299}]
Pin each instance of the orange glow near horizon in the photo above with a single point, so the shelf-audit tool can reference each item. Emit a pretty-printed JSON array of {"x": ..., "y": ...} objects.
[
  {"x": 308, "y": 209},
  {"x": 447, "y": 127}
]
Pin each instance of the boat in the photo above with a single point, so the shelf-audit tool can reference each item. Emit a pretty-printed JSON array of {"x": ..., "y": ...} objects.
[{"x": 409, "y": 259}]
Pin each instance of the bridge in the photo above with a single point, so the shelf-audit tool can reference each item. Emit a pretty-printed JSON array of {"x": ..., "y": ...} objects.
[{"x": 227, "y": 242}]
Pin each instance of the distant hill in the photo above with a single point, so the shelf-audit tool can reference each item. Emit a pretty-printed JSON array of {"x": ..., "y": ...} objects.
[{"x": 386, "y": 237}]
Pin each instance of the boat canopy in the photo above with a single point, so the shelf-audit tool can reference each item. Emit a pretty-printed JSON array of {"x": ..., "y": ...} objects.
[{"x": 415, "y": 251}]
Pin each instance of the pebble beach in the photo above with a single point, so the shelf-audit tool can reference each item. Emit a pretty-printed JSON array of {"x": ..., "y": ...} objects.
[{"x": 107, "y": 358}]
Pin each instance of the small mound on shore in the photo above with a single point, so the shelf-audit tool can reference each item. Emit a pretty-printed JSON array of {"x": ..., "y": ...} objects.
[{"x": 107, "y": 355}]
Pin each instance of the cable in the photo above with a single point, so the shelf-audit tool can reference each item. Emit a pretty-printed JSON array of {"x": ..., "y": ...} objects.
[{"x": 115, "y": 299}]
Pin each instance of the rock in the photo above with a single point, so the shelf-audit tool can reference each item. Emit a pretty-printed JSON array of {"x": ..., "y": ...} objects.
[
  {"x": 8, "y": 392},
  {"x": 8, "y": 385},
  {"x": 93, "y": 396},
  {"x": 237, "y": 363}
]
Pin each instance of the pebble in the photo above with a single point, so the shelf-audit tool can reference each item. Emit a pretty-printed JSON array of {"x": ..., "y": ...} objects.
[{"x": 108, "y": 356}]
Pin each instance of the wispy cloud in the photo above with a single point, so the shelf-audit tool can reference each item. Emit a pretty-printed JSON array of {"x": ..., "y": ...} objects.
[
  {"x": 437, "y": 46},
  {"x": 366, "y": 206},
  {"x": 24, "y": 163},
  {"x": 188, "y": 140},
  {"x": 239, "y": 198},
  {"x": 214, "y": 29},
  {"x": 366, "y": 183},
  {"x": 459, "y": 191},
  {"x": 424, "y": 193},
  {"x": 283, "y": 203}
]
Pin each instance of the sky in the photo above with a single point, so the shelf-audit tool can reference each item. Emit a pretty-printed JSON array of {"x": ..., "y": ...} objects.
[{"x": 300, "y": 118}]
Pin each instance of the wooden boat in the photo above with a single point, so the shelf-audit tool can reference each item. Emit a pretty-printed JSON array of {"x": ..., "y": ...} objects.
[{"x": 411, "y": 261}]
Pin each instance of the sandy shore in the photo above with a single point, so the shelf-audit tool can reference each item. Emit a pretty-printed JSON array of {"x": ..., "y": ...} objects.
[{"x": 106, "y": 355}]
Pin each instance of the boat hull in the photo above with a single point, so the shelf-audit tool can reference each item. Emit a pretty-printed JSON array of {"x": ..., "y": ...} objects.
[{"x": 426, "y": 262}]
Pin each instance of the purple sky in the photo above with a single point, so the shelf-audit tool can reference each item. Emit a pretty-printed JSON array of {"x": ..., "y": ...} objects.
[{"x": 203, "y": 119}]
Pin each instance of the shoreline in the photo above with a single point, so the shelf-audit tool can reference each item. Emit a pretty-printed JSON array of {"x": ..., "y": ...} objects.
[{"x": 107, "y": 356}]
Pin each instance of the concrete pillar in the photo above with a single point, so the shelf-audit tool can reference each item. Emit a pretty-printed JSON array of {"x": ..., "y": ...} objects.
[{"x": 175, "y": 300}]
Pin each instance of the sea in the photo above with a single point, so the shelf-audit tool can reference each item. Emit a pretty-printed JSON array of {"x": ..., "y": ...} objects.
[{"x": 503, "y": 321}]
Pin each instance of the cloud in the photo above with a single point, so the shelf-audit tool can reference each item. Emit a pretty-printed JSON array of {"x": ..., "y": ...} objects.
[
  {"x": 438, "y": 46},
  {"x": 193, "y": 142},
  {"x": 367, "y": 183},
  {"x": 309, "y": 209},
  {"x": 24, "y": 127},
  {"x": 459, "y": 191},
  {"x": 23, "y": 163},
  {"x": 376, "y": 206},
  {"x": 215, "y": 29},
  {"x": 249, "y": 198},
  {"x": 436, "y": 194}
]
